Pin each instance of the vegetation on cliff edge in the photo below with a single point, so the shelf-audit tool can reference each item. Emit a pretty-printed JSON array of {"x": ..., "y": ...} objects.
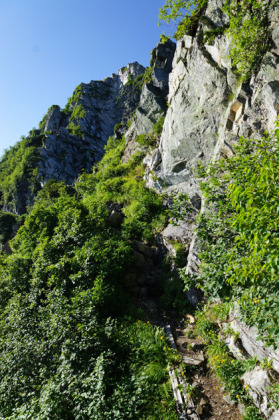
[{"x": 72, "y": 344}]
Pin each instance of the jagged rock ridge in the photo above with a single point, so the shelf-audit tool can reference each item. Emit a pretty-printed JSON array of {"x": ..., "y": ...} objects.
[
  {"x": 72, "y": 140},
  {"x": 207, "y": 109},
  {"x": 101, "y": 105}
]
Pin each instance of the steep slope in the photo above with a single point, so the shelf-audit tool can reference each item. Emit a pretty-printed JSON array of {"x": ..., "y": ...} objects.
[
  {"x": 102, "y": 241},
  {"x": 69, "y": 140},
  {"x": 80, "y": 348},
  {"x": 210, "y": 108}
]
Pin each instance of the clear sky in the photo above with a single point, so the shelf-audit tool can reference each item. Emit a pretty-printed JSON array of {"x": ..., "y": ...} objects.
[{"x": 48, "y": 47}]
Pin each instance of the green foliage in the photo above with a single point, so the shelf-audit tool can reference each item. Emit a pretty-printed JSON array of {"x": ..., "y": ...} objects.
[
  {"x": 8, "y": 221},
  {"x": 185, "y": 13},
  {"x": 179, "y": 207},
  {"x": 136, "y": 82},
  {"x": 122, "y": 183},
  {"x": 172, "y": 298},
  {"x": 239, "y": 236},
  {"x": 250, "y": 33},
  {"x": 164, "y": 38},
  {"x": 228, "y": 369},
  {"x": 143, "y": 140},
  {"x": 158, "y": 126},
  {"x": 147, "y": 75},
  {"x": 74, "y": 129},
  {"x": 274, "y": 395},
  {"x": 72, "y": 344},
  {"x": 73, "y": 100},
  {"x": 18, "y": 169},
  {"x": 248, "y": 28},
  {"x": 77, "y": 113},
  {"x": 210, "y": 35}
]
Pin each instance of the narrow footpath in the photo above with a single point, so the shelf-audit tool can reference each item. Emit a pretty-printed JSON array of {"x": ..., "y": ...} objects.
[{"x": 197, "y": 391}]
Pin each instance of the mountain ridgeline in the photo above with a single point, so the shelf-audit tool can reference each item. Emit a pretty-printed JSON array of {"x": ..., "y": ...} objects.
[{"x": 156, "y": 187}]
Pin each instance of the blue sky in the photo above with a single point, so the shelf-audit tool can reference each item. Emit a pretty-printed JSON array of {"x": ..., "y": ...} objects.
[{"x": 48, "y": 47}]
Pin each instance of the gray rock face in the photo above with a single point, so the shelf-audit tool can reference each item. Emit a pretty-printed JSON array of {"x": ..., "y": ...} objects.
[
  {"x": 198, "y": 93},
  {"x": 153, "y": 99},
  {"x": 274, "y": 27},
  {"x": 196, "y": 98},
  {"x": 258, "y": 383},
  {"x": 53, "y": 119},
  {"x": 248, "y": 337},
  {"x": 209, "y": 108},
  {"x": 95, "y": 109}
]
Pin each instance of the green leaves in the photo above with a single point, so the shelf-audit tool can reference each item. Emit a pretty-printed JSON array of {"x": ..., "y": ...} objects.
[
  {"x": 71, "y": 343},
  {"x": 240, "y": 236},
  {"x": 250, "y": 34},
  {"x": 185, "y": 13},
  {"x": 248, "y": 28}
]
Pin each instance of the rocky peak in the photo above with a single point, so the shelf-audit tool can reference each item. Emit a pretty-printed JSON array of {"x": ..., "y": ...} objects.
[
  {"x": 129, "y": 72},
  {"x": 153, "y": 98},
  {"x": 161, "y": 62},
  {"x": 78, "y": 139},
  {"x": 73, "y": 139},
  {"x": 53, "y": 119}
]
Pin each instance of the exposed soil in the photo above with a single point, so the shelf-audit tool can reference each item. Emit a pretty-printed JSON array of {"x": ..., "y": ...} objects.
[
  {"x": 209, "y": 399},
  {"x": 218, "y": 408}
]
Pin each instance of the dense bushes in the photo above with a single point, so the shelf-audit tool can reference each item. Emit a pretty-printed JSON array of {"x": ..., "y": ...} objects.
[
  {"x": 8, "y": 225},
  {"x": 123, "y": 183},
  {"x": 250, "y": 33},
  {"x": 186, "y": 13},
  {"x": 239, "y": 235},
  {"x": 72, "y": 344},
  {"x": 18, "y": 168}
]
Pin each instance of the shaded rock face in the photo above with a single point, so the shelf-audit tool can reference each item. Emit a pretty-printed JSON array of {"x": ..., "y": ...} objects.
[
  {"x": 53, "y": 119},
  {"x": 153, "y": 98},
  {"x": 101, "y": 105},
  {"x": 161, "y": 61}
]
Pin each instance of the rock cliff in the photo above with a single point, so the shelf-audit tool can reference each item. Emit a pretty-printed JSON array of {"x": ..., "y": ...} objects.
[
  {"x": 206, "y": 109},
  {"x": 209, "y": 108},
  {"x": 75, "y": 137},
  {"x": 71, "y": 140}
]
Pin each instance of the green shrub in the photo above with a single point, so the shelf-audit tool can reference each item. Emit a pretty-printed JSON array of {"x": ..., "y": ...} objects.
[
  {"x": 250, "y": 33},
  {"x": 186, "y": 13},
  {"x": 239, "y": 235},
  {"x": 248, "y": 28},
  {"x": 8, "y": 221},
  {"x": 72, "y": 343},
  {"x": 18, "y": 169}
]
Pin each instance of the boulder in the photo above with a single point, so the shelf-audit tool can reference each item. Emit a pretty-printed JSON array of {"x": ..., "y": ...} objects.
[{"x": 258, "y": 382}]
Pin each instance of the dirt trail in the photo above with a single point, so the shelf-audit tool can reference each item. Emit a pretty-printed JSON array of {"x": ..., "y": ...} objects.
[{"x": 209, "y": 399}]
